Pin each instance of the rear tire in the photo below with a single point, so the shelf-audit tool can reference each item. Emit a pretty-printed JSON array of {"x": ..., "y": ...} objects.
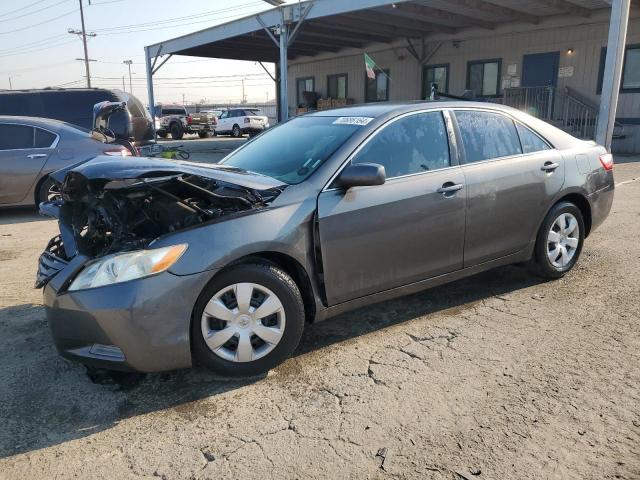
[
  {"x": 203, "y": 134},
  {"x": 236, "y": 132},
  {"x": 559, "y": 241},
  {"x": 224, "y": 297},
  {"x": 162, "y": 135},
  {"x": 176, "y": 131}
]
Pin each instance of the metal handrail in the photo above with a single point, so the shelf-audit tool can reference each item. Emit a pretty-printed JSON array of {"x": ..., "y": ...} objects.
[{"x": 558, "y": 107}]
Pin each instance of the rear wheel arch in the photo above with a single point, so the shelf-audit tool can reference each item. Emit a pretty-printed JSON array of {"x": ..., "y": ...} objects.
[
  {"x": 38, "y": 186},
  {"x": 583, "y": 205}
]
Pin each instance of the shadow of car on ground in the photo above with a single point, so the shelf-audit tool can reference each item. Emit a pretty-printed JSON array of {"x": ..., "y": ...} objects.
[{"x": 47, "y": 400}]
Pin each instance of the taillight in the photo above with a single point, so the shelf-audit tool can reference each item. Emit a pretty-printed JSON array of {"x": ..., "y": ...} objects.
[
  {"x": 247, "y": 120},
  {"x": 120, "y": 152},
  {"x": 606, "y": 159},
  {"x": 189, "y": 120}
]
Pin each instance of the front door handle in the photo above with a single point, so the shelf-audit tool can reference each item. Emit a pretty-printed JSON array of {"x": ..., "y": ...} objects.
[
  {"x": 549, "y": 166},
  {"x": 448, "y": 188},
  {"x": 36, "y": 155}
]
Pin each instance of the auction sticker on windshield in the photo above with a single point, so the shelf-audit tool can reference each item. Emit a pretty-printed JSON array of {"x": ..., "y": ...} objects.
[{"x": 352, "y": 121}]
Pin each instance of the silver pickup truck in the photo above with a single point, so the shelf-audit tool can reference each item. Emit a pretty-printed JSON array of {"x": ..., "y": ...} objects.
[{"x": 175, "y": 121}]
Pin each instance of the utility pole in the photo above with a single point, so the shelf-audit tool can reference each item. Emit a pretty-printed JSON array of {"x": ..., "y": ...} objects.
[
  {"x": 128, "y": 63},
  {"x": 244, "y": 98},
  {"x": 83, "y": 33},
  {"x": 10, "y": 86},
  {"x": 123, "y": 89}
]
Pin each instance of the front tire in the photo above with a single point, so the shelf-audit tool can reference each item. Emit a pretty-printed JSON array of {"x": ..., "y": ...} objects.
[
  {"x": 247, "y": 320},
  {"x": 559, "y": 241}
]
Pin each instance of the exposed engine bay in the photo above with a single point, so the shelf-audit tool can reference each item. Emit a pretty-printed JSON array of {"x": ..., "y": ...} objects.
[
  {"x": 110, "y": 206},
  {"x": 127, "y": 214}
]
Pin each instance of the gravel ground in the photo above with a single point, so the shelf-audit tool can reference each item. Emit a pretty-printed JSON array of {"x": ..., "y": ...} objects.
[{"x": 498, "y": 376}]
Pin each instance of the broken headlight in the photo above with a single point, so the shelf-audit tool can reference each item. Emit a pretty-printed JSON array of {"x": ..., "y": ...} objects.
[{"x": 127, "y": 266}]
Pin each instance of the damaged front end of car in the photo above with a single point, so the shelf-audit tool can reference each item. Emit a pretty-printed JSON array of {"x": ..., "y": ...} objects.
[{"x": 111, "y": 206}]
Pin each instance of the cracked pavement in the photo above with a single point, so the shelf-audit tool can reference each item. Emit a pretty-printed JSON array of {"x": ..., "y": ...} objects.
[{"x": 497, "y": 376}]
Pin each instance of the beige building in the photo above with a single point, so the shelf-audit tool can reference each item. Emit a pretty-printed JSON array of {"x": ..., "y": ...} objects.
[
  {"x": 546, "y": 57},
  {"x": 500, "y": 56}
]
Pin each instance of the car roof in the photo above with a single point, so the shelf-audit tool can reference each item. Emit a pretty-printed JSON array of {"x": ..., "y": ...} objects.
[
  {"x": 385, "y": 110},
  {"x": 375, "y": 110},
  {"x": 62, "y": 90}
]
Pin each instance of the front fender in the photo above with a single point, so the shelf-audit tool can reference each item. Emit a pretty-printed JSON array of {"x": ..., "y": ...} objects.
[{"x": 285, "y": 229}]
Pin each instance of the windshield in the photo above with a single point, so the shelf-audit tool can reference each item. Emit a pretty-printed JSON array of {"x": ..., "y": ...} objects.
[{"x": 291, "y": 152}]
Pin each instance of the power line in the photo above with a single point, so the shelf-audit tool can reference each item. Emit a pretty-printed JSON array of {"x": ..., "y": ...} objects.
[
  {"x": 23, "y": 52},
  {"x": 177, "y": 19},
  {"x": 31, "y": 13},
  {"x": 22, "y": 8},
  {"x": 36, "y": 44},
  {"x": 38, "y": 67},
  {"x": 41, "y": 23}
]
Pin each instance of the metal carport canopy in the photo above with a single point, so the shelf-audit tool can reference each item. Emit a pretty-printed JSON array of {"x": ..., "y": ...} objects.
[
  {"x": 274, "y": 36},
  {"x": 311, "y": 27}
]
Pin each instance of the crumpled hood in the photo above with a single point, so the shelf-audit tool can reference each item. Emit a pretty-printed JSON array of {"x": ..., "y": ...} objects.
[
  {"x": 115, "y": 168},
  {"x": 109, "y": 205}
]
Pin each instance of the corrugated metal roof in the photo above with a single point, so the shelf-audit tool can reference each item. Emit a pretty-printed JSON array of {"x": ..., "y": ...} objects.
[{"x": 332, "y": 25}]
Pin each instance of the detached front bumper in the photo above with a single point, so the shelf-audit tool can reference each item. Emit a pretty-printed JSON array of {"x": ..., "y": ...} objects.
[{"x": 141, "y": 325}]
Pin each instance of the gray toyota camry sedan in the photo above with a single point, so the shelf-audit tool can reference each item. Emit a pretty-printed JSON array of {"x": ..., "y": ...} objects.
[{"x": 159, "y": 264}]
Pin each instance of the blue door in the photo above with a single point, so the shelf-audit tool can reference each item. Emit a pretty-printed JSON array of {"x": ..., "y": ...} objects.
[{"x": 540, "y": 69}]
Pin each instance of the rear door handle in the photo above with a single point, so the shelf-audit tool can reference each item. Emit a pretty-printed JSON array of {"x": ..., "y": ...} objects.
[
  {"x": 36, "y": 155},
  {"x": 449, "y": 187},
  {"x": 549, "y": 166}
]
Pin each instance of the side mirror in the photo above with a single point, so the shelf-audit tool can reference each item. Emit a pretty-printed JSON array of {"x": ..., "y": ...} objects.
[{"x": 361, "y": 175}]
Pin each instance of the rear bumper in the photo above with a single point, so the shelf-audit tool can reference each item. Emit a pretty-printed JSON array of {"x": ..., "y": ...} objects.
[
  {"x": 601, "y": 202},
  {"x": 199, "y": 128},
  {"x": 254, "y": 128},
  {"x": 141, "y": 325}
]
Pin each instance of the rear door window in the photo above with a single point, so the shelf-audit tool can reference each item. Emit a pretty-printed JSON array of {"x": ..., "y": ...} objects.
[
  {"x": 14, "y": 137},
  {"x": 173, "y": 111},
  {"x": 531, "y": 142},
  {"x": 413, "y": 144},
  {"x": 16, "y": 104},
  {"x": 487, "y": 135},
  {"x": 74, "y": 106},
  {"x": 43, "y": 138}
]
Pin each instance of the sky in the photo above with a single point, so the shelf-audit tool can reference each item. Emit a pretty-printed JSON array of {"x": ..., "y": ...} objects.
[{"x": 36, "y": 51}]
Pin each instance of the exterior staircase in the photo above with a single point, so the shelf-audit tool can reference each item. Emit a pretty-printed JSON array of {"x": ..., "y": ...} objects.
[{"x": 565, "y": 108}]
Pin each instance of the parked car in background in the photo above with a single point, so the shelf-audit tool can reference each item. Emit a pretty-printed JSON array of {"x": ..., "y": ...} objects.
[
  {"x": 31, "y": 148},
  {"x": 75, "y": 106},
  {"x": 240, "y": 121},
  {"x": 174, "y": 120},
  {"x": 325, "y": 213}
]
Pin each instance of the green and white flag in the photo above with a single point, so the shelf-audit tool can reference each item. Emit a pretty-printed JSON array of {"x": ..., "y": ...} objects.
[{"x": 371, "y": 67}]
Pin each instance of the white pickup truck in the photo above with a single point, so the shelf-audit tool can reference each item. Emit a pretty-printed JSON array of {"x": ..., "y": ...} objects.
[{"x": 238, "y": 121}]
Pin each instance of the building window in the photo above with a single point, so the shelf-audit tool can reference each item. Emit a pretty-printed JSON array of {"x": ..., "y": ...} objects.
[
  {"x": 337, "y": 86},
  {"x": 304, "y": 85},
  {"x": 438, "y": 74},
  {"x": 377, "y": 89},
  {"x": 630, "y": 69},
  {"x": 483, "y": 77}
]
